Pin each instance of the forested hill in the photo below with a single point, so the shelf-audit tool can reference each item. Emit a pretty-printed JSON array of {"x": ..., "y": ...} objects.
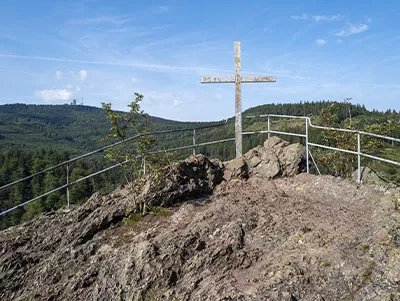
[
  {"x": 342, "y": 110},
  {"x": 71, "y": 128},
  {"x": 76, "y": 128}
]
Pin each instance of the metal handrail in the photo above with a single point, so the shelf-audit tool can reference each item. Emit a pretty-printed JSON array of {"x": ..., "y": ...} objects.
[
  {"x": 69, "y": 183},
  {"x": 109, "y": 168},
  {"x": 107, "y": 147},
  {"x": 327, "y": 128},
  {"x": 359, "y": 134}
]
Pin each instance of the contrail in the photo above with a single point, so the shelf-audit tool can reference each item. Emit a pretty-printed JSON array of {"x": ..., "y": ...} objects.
[
  {"x": 159, "y": 67},
  {"x": 119, "y": 64},
  {"x": 129, "y": 64}
]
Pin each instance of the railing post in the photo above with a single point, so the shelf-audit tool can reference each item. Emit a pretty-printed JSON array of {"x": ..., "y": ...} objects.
[
  {"x": 268, "y": 128},
  {"x": 68, "y": 185},
  {"x": 359, "y": 158},
  {"x": 307, "y": 155},
  {"x": 194, "y": 142}
]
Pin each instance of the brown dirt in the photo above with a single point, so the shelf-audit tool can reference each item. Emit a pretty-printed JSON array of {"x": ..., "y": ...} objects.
[{"x": 300, "y": 238}]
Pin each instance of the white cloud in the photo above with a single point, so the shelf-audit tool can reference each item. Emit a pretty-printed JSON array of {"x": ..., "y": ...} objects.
[
  {"x": 320, "y": 42},
  {"x": 327, "y": 18},
  {"x": 114, "y": 20},
  {"x": 69, "y": 86},
  {"x": 340, "y": 41},
  {"x": 177, "y": 102},
  {"x": 78, "y": 89},
  {"x": 54, "y": 95},
  {"x": 134, "y": 79},
  {"x": 164, "y": 8},
  {"x": 318, "y": 18},
  {"x": 59, "y": 74},
  {"x": 83, "y": 75},
  {"x": 352, "y": 29},
  {"x": 301, "y": 17}
]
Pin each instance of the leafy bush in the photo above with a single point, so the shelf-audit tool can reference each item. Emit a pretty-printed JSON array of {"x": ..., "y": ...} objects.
[{"x": 137, "y": 160}]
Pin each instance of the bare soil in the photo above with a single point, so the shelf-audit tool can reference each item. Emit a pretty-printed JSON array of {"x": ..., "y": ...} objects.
[{"x": 301, "y": 238}]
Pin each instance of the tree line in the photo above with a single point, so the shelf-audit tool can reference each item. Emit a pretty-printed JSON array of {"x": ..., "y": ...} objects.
[{"x": 16, "y": 164}]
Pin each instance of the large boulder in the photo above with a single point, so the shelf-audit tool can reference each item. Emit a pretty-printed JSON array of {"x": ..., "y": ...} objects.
[
  {"x": 276, "y": 158},
  {"x": 190, "y": 178}
]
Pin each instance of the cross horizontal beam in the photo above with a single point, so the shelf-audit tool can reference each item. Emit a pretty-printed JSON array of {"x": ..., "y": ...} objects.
[{"x": 243, "y": 79}]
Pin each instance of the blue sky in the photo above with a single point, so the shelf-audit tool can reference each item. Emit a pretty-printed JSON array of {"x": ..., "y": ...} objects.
[{"x": 52, "y": 52}]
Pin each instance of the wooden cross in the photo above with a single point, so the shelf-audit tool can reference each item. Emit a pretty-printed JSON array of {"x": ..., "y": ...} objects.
[{"x": 238, "y": 80}]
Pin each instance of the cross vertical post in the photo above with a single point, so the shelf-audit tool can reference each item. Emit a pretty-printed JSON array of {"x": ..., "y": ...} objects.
[
  {"x": 238, "y": 79},
  {"x": 238, "y": 102}
]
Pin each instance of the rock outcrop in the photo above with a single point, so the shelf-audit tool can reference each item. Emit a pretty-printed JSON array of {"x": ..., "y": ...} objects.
[
  {"x": 301, "y": 237},
  {"x": 187, "y": 179},
  {"x": 276, "y": 158},
  {"x": 49, "y": 243}
]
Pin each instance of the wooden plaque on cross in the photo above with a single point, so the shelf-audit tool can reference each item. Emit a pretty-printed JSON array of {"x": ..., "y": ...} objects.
[{"x": 238, "y": 80}]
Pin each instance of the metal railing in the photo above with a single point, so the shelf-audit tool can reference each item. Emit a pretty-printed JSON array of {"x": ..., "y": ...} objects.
[
  {"x": 195, "y": 145},
  {"x": 136, "y": 137},
  {"x": 309, "y": 124}
]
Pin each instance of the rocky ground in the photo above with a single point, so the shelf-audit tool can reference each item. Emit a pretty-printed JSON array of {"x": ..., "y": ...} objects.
[{"x": 253, "y": 236}]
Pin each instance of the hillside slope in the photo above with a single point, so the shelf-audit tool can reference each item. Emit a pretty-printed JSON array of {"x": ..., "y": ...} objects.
[
  {"x": 75, "y": 129},
  {"x": 299, "y": 238}
]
